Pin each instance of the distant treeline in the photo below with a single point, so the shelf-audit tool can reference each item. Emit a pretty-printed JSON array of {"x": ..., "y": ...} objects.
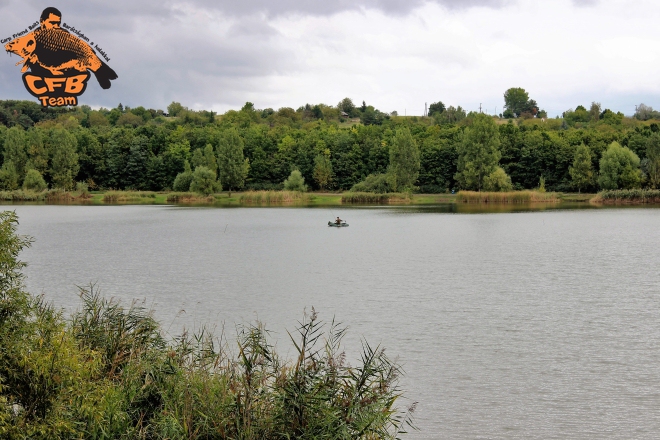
[{"x": 333, "y": 147}]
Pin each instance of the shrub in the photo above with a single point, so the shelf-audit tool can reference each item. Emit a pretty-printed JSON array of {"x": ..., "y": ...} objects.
[
  {"x": 374, "y": 183},
  {"x": 34, "y": 181},
  {"x": 619, "y": 168},
  {"x": 204, "y": 181},
  {"x": 498, "y": 180},
  {"x": 295, "y": 182},
  {"x": 183, "y": 180}
]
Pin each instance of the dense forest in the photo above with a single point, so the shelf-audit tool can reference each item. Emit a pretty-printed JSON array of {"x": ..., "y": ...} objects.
[{"x": 333, "y": 148}]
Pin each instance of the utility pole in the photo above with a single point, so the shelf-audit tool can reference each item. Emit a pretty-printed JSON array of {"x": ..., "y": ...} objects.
[
  {"x": 480, "y": 108},
  {"x": 425, "y": 109}
]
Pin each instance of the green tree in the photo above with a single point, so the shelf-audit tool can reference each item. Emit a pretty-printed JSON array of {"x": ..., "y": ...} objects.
[
  {"x": 498, "y": 180},
  {"x": 653, "y": 157},
  {"x": 619, "y": 168},
  {"x": 64, "y": 165},
  {"x": 478, "y": 153},
  {"x": 323, "y": 169},
  {"x": 184, "y": 179},
  {"x": 233, "y": 165},
  {"x": 9, "y": 177},
  {"x": 295, "y": 182},
  {"x": 209, "y": 156},
  {"x": 175, "y": 108},
  {"x": 516, "y": 101},
  {"x": 346, "y": 105},
  {"x": 34, "y": 181},
  {"x": 436, "y": 108},
  {"x": 36, "y": 151},
  {"x": 15, "y": 150},
  {"x": 582, "y": 171},
  {"x": 204, "y": 181},
  {"x": 404, "y": 161}
]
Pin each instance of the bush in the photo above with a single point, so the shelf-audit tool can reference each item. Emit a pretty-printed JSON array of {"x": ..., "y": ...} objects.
[
  {"x": 498, "y": 180},
  {"x": 82, "y": 188},
  {"x": 183, "y": 180},
  {"x": 374, "y": 183},
  {"x": 34, "y": 181},
  {"x": 204, "y": 181},
  {"x": 619, "y": 168},
  {"x": 295, "y": 182}
]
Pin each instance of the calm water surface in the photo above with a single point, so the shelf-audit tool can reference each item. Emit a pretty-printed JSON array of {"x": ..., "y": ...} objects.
[{"x": 541, "y": 325}]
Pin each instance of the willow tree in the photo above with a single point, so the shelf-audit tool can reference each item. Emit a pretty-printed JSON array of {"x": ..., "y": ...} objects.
[{"x": 232, "y": 163}]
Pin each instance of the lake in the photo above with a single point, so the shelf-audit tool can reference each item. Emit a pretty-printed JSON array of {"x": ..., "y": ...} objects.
[{"x": 534, "y": 325}]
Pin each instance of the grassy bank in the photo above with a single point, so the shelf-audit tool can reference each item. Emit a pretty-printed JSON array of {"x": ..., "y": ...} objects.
[
  {"x": 628, "y": 196},
  {"x": 108, "y": 372},
  {"x": 507, "y": 197}
]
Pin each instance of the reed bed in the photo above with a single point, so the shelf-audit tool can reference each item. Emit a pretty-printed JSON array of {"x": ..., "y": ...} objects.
[
  {"x": 109, "y": 372},
  {"x": 274, "y": 197},
  {"x": 189, "y": 197},
  {"x": 507, "y": 197},
  {"x": 128, "y": 196},
  {"x": 23, "y": 196},
  {"x": 628, "y": 196},
  {"x": 367, "y": 197}
]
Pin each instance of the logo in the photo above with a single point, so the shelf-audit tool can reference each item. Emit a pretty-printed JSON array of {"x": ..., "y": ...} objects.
[{"x": 57, "y": 63}]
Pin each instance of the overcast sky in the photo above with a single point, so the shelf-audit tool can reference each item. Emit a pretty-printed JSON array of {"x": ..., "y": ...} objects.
[{"x": 393, "y": 54}]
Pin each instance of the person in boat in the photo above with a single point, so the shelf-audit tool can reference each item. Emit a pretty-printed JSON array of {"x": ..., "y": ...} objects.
[{"x": 338, "y": 221}]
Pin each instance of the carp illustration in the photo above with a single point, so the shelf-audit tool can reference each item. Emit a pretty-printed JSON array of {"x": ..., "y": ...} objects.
[{"x": 54, "y": 49}]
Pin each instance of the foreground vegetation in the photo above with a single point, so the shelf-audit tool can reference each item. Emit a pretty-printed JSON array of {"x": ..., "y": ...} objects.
[{"x": 108, "y": 372}]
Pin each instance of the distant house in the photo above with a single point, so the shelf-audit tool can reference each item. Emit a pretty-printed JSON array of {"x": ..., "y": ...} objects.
[{"x": 344, "y": 115}]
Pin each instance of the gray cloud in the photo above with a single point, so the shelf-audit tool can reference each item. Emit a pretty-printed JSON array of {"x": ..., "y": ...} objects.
[
  {"x": 586, "y": 3},
  {"x": 315, "y": 7}
]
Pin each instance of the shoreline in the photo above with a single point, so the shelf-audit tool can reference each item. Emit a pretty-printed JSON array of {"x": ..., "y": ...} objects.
[{"x": 311, "y": 199}]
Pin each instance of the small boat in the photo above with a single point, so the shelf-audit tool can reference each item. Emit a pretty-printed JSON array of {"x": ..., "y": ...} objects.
[{"x": 335, "y": 225}]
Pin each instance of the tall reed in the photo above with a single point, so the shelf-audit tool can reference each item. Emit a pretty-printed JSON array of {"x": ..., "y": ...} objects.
[
  {"x": 507, "y": 197},
  {"x": 128, "y": 196},
  {"x": 188, "y": 197},
  {"x": 274, "y": 197},
  {"x": 22, "y": 196},
  {"x": 628, "y": 196},
  {"x": 367, "y": 197}
]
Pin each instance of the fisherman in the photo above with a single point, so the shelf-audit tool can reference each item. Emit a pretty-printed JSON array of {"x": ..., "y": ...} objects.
[{"x": 338, "y": 221}]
